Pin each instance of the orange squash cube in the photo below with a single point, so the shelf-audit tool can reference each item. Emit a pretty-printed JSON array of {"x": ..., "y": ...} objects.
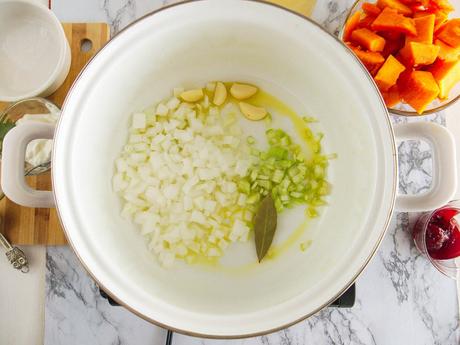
[
  {"x": 395, "y": 4},
  {"x": 391, "y": 97},
  {"x": 450, "y": 33},
  {"x": 444, "y": 5},
  {"x": 446, "y": 52},
  {"x": 391, "y": 35},
  {"x": 393, "y": 46},
  {"x": 370, "y": 59},
  {"x": 446, "y": 74},
  {"x": 368, "y": 40},
  {"x": 441, "y": 18},
  {"x": 366, "y": 22},
  {"x": 389, "y": 73},
  {"x": 352, "y": 24},
  {"x": 418, "y": 89},
  {"x": 425, "y": 30},
  {"x": 371, "y": 9},
  {"x": 373, "y": 71},
  {"x": 417, "y": 54},
  {"x": 390, "y": 20}
]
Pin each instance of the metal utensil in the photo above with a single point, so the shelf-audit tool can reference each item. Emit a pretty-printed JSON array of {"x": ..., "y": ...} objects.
[{"x": 15, "y": 255}]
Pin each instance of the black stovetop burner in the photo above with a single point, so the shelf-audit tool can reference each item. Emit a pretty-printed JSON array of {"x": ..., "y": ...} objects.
[{"x": 347, "y": 300}]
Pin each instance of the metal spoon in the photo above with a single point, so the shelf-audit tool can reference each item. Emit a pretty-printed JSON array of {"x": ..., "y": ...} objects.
[{"x": 15, "y": 256}]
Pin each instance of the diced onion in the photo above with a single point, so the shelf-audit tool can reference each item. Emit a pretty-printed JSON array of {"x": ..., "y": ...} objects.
[{"x": 178, "y": 176}]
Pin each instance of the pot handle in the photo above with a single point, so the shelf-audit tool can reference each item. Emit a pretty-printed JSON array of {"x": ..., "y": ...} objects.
[
  {"x": 444, "y": 183},
  {"x": 13, "y": 181}
]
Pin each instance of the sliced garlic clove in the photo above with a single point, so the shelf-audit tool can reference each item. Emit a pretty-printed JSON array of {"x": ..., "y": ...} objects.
[
  {"x": 220, "y": 94},
  {"x": 210, "y": 87},
  {"x": 243, "y": 91},
  {"x": 192, "y": 95},
  {"x": 251, "y": 112}
]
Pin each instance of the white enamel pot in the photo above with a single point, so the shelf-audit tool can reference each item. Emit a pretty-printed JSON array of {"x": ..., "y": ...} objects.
[{"x": 287, "y": 55}]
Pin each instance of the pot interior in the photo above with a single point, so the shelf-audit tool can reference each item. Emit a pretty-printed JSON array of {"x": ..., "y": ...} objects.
[{"x": 286, "y": 55}]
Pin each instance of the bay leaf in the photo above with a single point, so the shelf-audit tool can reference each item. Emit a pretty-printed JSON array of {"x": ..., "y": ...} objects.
[{"x": 265, "y": 226}]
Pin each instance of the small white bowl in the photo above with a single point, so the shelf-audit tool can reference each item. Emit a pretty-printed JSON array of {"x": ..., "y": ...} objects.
[{"x": 34, "y": 52}]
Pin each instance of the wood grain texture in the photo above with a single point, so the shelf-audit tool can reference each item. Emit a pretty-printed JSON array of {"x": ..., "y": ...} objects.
[
  {"x": 23, "y": 225},
  {"x": 304, "y": 7}
]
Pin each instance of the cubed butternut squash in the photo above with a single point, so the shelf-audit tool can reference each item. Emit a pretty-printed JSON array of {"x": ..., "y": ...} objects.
[
  {"x": 369, "y": 59},
  {"x": 351, "y": 25},
  {"x": 418, "y": 89},
  {"x": 389, "y": 73},
  {"x": 391, "y": 35},
  {"x": 391, "y": 97},
  {"x": 441, "y": 19},
  {"x": 446, "y": 74},
  {"x": 419, "y": 53},
  {"x": 368, "y": 40},
  {"x": 443, "y": 5},
  {"x": 450, "y": 33},
  {"x": 425, "y": 30},
  {"x": 392, "y": 46},
  {"x": 395, "y": 4},
  {"x": 410, "y": 47},
  {"x": 366, "y": 22},
  {"x": 371, "y": 9},
  {"x": 401, "y": 59},
  {"x": 373, "y": 71},
  {"x": 390, "y": 20},
  {"x": 446, "y": 52}
]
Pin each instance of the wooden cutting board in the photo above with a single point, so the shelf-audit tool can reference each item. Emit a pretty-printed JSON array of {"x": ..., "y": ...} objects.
[
  {"x": 304, "y": 7},
  {"x": 23, "y": 225}
]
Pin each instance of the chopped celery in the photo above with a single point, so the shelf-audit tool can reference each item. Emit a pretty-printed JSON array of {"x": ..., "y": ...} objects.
[
  {"x": 265, "y": 184},
  {"x": 284, "y": 198},
  {"x": 296, "y": 195},
  {"x": 277, "y": 152},
  {"x": 250, "y": 140},
  {"x": 244, "y": 186},
  {"x": 253, "y": 198},
  {"x": 268, "y": 119},
  {"x": 283, "y": 171},
  {"x": 309, "y": 119},
  {"x": 278, "y": 176},
  {"x": 311, "y": 212}
]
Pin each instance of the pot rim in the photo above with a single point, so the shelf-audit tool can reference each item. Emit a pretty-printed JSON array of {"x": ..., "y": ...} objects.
[{"x": 286, "y": 325}]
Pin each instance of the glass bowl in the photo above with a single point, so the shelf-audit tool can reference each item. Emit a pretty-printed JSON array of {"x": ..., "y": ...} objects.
[
  {"x": 449, "y": 267},
  {"x": 402, "y": 108},
  {"x": 31, "y": 107}
]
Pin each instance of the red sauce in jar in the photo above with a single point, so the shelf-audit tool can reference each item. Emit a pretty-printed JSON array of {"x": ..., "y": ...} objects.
[{"x": 443, "y": 235}]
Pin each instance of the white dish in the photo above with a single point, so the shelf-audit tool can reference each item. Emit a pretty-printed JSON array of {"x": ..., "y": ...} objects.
[{"x": 34, "y": 52}]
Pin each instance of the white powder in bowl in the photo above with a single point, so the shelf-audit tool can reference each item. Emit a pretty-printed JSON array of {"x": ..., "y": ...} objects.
[{"x": 39, "y": 150}]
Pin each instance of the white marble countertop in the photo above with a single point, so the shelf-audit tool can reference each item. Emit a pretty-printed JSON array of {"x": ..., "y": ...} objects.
[{"x": 401, "y": 299}]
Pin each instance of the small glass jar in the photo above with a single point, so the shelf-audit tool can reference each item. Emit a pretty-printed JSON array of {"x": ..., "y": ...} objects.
[{"x": 426, "y": 222}]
